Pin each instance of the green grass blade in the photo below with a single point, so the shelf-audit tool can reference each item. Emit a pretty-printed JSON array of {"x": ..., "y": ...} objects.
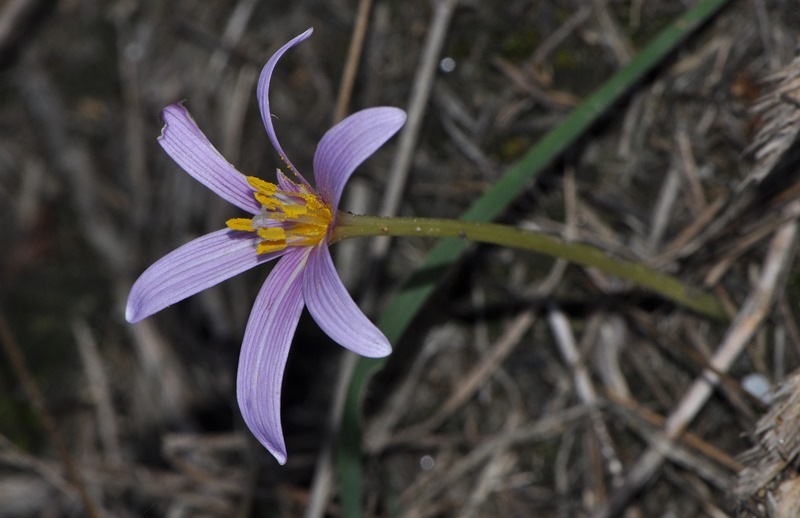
[{"x": 405, "y": 305}]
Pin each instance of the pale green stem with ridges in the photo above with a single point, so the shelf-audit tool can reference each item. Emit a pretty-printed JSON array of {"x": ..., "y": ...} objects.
[{"x": 350, "y": 225}]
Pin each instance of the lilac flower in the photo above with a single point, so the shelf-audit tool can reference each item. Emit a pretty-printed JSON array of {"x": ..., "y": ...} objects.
[{"x": 291, "y": 221}]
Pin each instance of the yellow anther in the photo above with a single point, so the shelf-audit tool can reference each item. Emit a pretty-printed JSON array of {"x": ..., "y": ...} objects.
[
  {"x": 266, "y": 247},
  {"x": 316, "y": 219},
  {"x": 305, "y": 230},
  {"x": 262, "y": 185},
  {"x": 240, "y": 224},
  {"x": 267, "y": 201},
  {"x": 313, "y": 203},
  {"x": 303, "y": 217},
  {"x": 272, "y": 234},
  {"x": 310, "y": 241},
  {"x": 293, "y": 211}
]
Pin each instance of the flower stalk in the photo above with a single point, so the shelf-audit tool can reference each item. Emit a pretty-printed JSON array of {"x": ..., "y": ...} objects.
[{"x": 351, "y": 225}]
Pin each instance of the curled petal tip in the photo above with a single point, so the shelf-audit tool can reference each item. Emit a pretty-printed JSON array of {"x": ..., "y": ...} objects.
[
  {"x": 265, "y": 349},
  {"x": 183, "y": 140},
  {"x": 348, "y": 144},
  {"x": 279, "y": 456},
  {"x": 133, "y": 308},
  {"x": 130, "y": 315},
  {"x": 191, "y": 268},
  {"x": 274, "y": 444},
  {"x": 396, "y": 113},
  {"x": 262, "y": 94},
  {"x": 335, "y": 311},
  {"x": 379, "y": 349}
]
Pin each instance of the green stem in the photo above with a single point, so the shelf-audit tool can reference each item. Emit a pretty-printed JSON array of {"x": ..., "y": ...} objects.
[{"x": 350, "y": 225}]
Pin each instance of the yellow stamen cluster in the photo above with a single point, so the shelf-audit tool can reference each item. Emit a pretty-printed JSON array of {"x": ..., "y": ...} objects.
[{"x": 287, "y": 218}]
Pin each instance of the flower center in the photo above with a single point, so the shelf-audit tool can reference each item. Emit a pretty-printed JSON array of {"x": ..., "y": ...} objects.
[{"x": 288, "y": 218}]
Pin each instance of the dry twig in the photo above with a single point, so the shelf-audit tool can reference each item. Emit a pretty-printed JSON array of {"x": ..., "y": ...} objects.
[{"x": 753, "y": 312}]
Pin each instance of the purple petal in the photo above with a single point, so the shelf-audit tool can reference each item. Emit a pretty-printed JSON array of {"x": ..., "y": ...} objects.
[
  {"x": 265, "y": 349},
  {"x": 186, "y": 144},
  {"x": 345, "y": 146},
  {"x": 197, "y": 265},
  {"x": 285, "y": 184},
  {"x": 334, "y": 310},
  {"x": 262, "y": 94}
]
